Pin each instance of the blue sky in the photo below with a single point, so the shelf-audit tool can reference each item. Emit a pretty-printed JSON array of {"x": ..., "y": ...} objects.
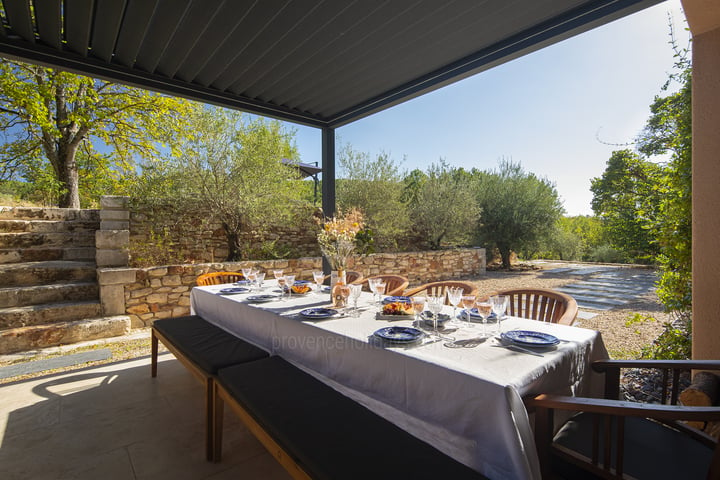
[{"x": 545, "y": 110}]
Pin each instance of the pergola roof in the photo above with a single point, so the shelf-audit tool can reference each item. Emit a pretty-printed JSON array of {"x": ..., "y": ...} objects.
[{"x": 323, "y": 63}]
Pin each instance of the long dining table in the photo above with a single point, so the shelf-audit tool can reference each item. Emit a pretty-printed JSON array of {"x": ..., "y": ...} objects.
[{"x": 464, "y": 397}]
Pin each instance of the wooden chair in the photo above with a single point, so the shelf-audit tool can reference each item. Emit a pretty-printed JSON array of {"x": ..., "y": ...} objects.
[
  {"x": 439, "y": 288},
  {"x": 541, "y": 304},
  {"x": 613, "y": 439},
  {"x": 394, "y": 284},
  {"x": 218, "y": 278},
  {"x": 351, "y": 277}
]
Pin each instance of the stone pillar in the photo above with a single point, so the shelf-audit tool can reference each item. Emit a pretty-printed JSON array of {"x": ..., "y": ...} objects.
[
  {"x": 112, "y": 283},
  {"x": 113, "y": 238},
  {"x": 704, "y": 20}
]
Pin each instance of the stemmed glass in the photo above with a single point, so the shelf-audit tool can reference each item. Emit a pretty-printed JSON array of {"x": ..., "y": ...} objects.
[
  {"x": 468, "y": 302},
  {"x": 454, "y": 296},
  {"x": 259, "y": 279},
  {"x": 418, "y": 303},
  {"x": 246, "y": 273},
  {"x": 290, "y": 281},
  {"x": 380, "y": 290},
  {"x": 251, "y": 277},
  {"x": 319, "y": 278},
  {"x": 499, "y": 304},
  {"x": 372, "y": 282},
  {"x": 435, "y": 305},
  {"x": 355, "y": 290},
  {"x": 484, "y": 309},
  {"x": 281, "y": 281}
]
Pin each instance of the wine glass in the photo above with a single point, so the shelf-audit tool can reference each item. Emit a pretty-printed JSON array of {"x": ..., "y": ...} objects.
[
  {"x": 290, "y": 281},
  {"x": 259, "y": 279},
  {"x": 246, "y": 272},
  {"x": 251, "y": 277},
  {"x": 371, "y": 284},
  {"x": 418, "y": 303},
  {"x": 355, "y": 290},
  {"x": 454, "y": 296},
  {"x": 468, "y": 302},
  {"x": 380, "y": 290},
  {"x": 281, "y": 281},
  {"x": 435, "y": 304},
  {"x": 484, "y": 309},
  {"x": 319, "y": 278},
  {"x": 499, "y": 304}
]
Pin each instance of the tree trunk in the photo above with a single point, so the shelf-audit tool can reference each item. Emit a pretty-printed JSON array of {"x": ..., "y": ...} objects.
[
  {"x": 233, "y": 241},
  {"x": 505, "y": 255},
  {"x": 68, "y": 176}
]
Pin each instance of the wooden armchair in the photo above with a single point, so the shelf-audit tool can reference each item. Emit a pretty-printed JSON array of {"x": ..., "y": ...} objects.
[
  {"x": 614, "y": 439},
  {"x": 351, "y": 277},
  {"x": 218, "y": 278},
  {"x": 439, "y": 288},
  {"x": 394, "y": 284},
  {"x": 541, "y": 304}
]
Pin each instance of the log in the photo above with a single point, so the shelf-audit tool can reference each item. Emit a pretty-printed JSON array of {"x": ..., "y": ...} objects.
[{"x": 703, "y": 391}]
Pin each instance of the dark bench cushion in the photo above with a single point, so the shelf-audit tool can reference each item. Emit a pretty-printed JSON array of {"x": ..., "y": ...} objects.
[
  {"x": 328, "y": 434},
  {"x": 652, "y": 450},
  {"x": 208, "y": 346}
]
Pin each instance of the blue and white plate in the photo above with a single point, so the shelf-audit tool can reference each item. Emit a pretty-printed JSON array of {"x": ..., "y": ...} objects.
[
  {"x": 387, "y": 300},
  {"x": 399, "y": 334},
  {"x": 318, "y": 313},
  {"x": 327, "y": 289},
  {"x": 262, "y": 298},
  {"x": 427, "y": 317},
  {"x": 474, "y": 315},
  {"x": 233, "y": 290},
  {"x": 242, "y": 282},
  {"x": 528, "y": 338}
]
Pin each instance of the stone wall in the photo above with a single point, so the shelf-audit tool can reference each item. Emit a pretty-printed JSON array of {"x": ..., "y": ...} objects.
[
  {"x": 162, "y": 292},
  {"x": 194, "y": 238}
]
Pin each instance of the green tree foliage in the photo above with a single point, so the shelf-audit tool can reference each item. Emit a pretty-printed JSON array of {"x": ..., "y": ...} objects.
[
  {"x": 374, "y": 186},
  {"x": 442, "y": 206},
  {"x": 231, "y": 170},
  {"x": 518, "y": 208},
  {"x": 57, "y": 124},
  {"x": 669, "y": 130},
  {"x": 625, "y": 198}
]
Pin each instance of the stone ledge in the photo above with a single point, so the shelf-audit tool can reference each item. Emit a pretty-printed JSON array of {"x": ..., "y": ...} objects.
[{"x": 116, "y": 276}]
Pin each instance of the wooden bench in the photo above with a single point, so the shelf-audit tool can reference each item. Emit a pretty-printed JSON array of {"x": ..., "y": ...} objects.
[
  {"x": 204, "y": 349},
  {"x": 316, "y": 432}
]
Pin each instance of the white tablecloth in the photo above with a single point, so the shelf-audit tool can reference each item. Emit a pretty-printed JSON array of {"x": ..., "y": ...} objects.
[{"x": 464, "y": 401}]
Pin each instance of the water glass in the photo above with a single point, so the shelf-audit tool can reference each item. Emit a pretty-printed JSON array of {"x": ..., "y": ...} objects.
[
  {"x": 435, "y": 304},
  {"x": 319, "y": 278},
  {"x": 380, "y": 290},
  {"x": 484, "y": 309},
  {"x": 355, "y": 290},
  {"x": 290, "y": 281},
  {"x": 418, "y": 303},
  {"x": 468, "y": 302},
  {"x": 499, "y": 305},
  {"x": 259, "y": 279}
]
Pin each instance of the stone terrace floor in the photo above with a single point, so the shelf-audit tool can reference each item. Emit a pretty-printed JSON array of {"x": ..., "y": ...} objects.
[{"x": 116, "y": 422}]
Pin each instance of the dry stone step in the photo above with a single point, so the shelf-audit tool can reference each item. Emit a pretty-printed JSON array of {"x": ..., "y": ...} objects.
[
  {"x": 48, "y": 226},
  {"x": 41, "y": 254},
  {"x": 34, "y": 337},
  {"x": 39, "y": 294},
  {"x": 40, "y": 213},
  {"x": 43, "y": 273},
  {"x": 29, "y": 240},
  {"x": 48, "y": 313}
]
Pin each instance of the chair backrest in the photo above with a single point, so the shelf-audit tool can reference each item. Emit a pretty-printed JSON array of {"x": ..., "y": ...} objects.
[
  {"x": 439, "y": 288},
  {"x": 541, "y": 304},
  {"x": 394, "y": 284},
  {"x": 217, "y": 278},
  {"x": 353, "y": 277}
]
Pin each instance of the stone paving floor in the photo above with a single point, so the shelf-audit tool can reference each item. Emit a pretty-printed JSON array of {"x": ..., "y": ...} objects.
[{"x": 116, "y": 422}]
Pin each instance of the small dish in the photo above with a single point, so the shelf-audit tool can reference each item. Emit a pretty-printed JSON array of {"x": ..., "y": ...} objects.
[
  {"x": 232, "y": 290},
  {"x": 402, "y": 299},
  {"x": 262, "y": 298}
]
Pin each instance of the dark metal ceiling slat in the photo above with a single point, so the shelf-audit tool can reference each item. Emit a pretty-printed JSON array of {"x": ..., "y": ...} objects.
[
  {"x": 49, "y": 22},
  {"x": 228, "y": 21},
  {"x": 133, "y": 30},
  {"x": 164, "y": 24},
  {"x": 18, "y": 15},
  {"x": 192, "y": 28},
  {"x": 106, "y": 26},
  {"x": 247, "y": 50},
  {"x": 313, "y": 40},
  {"x": 362, "y": 42},
  {"x": 78, "y": 25},
  {"x": 320, "y": 50}
]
